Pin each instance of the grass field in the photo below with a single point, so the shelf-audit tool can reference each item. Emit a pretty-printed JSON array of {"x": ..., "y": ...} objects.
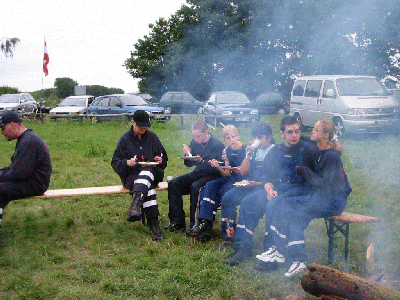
[{"x": 83, "y": 248}]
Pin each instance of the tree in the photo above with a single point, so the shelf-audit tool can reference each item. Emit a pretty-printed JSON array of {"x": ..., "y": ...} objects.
[
  {"x": 64, "y": 87},
  {"x": 256, "y": 46},
  {"x": 8, "y": 46}
]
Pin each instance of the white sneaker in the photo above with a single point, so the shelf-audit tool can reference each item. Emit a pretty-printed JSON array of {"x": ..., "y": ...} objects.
[
  {"x": 271, "y": 255},
  {"x": 296, "y": 267}
]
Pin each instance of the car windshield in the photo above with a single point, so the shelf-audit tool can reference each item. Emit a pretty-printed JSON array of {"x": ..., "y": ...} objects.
[
  {"x": 229, "y": 98},
  {"x": 360, "y": 87},
  {"x": 73, "y": 102},
  {"x": 9, "y": 98},
  {"x": 133, "y": 100}
]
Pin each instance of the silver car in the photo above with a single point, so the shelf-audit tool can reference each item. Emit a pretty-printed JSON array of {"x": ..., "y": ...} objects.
[{"x": 19, "y": 103}]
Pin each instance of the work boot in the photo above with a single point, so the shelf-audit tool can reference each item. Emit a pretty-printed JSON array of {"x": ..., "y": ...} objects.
[
  {"x": 203, "y": 230},
  {"x": 175, "y": 227},
  {"x": 135, "y": 210},
  {"x": 238, "y": 257},
  {"x": 155, "y": 230}
]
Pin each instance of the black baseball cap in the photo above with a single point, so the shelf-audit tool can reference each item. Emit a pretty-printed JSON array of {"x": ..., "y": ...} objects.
[
  {"x": 141, "y": 119},
  {"x": 7, "y": 117}
]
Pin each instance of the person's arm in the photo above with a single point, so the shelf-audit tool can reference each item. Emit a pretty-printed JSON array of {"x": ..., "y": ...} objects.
[
  {"x": 330, "y": 170},
  {"x": 120, "y": 162},
  {"x": 23, "y": 162}
]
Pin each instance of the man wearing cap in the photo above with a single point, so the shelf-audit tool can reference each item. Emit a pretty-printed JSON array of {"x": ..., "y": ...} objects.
[
  {"x": 30, "y": 169},
  {"x": 136, "y": 146}
]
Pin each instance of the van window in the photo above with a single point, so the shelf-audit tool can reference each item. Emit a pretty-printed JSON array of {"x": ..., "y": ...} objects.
[
  {"x": 328, "y": 85},
  {"x": 313, "y": 88},
  {"x": 360, "y": 87},
  {"x": 298, "y": 89}
]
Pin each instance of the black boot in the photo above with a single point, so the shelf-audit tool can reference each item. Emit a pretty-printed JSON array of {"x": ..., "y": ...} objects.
[
  {"x": 203, "y": 230},
  {"x": 155, "y": 230},
  {"x": 135, "y": 210}
]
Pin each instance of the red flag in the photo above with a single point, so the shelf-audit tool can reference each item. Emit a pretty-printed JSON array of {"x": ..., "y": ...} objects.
[{"x": 46, "y": 60}]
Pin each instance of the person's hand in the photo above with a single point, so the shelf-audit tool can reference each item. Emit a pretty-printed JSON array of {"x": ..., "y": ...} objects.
[
  {"x": 187, "y": 150},
  {"x": 214, "y": 163},
  {"x": 132, "y": 162},
  {"x": 198, "y": 158},
  {"x": 158, "y": 159},
  {"x": 271, "y": 194},
  {"x": 236, "y": 169}
]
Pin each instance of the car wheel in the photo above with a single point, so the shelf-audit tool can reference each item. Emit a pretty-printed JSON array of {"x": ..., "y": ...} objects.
[
  {"x": 95, "y": 119},
  {"x": 339, "y": 127},
  {"x": 281, "y": 111},
  {"x": 168, "y": 110},
  {"x": 200, "y": 110}
]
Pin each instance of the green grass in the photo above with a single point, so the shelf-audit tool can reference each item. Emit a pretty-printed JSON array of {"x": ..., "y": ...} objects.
[{"x": 83, "y": 248}]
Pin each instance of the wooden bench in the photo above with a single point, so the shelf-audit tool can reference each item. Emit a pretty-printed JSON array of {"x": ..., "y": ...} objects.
[
  {"x": 341, "y": 225},
  {"x": 91, "y": 191}
]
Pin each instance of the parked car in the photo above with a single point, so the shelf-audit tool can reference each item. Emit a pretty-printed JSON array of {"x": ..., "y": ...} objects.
[
  {"x": 18, "y": 103},
  {"x": 353, "y": 103},
  {"x": 117, "y": 104},
  {"x": 271, "y": 103},
  {"x": 149, "y": 98},
  {"x": 229, "y": 103},
  {"x": 71, "y": 105},
  {"x": 181, "y": 102}
]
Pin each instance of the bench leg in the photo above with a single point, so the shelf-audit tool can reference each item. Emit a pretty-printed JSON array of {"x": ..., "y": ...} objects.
[{"x": 331, "y": 229}]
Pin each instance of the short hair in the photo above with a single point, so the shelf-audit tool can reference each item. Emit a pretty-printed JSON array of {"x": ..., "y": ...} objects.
[
  {"x": 229, "y": 129},
  {"x": 200, "y": 125},
  {"x": 262, "y": 128},
  {"x": 287, "y": 121}
]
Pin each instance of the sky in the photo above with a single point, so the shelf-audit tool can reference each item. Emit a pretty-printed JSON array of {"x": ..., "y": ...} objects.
[{"x": 87, "y": 40}]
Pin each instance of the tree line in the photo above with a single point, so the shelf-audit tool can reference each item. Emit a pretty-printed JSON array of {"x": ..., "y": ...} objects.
[{"x": 256, "y": 46}]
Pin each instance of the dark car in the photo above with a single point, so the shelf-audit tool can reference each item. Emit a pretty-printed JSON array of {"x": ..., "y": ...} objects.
[
  {"x": 117, "y": 104},
  {"x": 229, "y": 103},
  {"x": 272, "y": 103},
  {"x": 181, "y": 102}
]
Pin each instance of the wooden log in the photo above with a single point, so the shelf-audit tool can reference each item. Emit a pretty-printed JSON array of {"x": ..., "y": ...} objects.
[{"x": 322, "y": 280}]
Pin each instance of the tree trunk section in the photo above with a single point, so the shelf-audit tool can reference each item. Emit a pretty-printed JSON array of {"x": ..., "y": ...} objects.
[{"x": 322, "y": 280}]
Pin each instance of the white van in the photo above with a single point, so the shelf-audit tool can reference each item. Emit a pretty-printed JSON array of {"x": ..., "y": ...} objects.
[{"x": 353, "y": 103}]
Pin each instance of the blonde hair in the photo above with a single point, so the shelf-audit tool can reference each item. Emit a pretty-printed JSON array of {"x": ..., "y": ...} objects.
[
  {"x": 329, "y": 127},
  {"x": 229, "y": 129}
]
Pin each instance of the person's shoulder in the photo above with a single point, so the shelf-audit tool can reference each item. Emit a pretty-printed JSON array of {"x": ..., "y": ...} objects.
[{"x": 216, "y": 140}]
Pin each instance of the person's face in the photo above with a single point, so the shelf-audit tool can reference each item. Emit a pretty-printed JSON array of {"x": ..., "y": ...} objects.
[
  {"x": 200, "y": 137},
  {"x": 9, "y": 131},
  {"x": 138, "y": 130},
  {"x": 317, "y": 134},
  {"x": 264, "y": 141},
  {"x": 232, "y": 140},
  {"x": 291, "y": 135}
]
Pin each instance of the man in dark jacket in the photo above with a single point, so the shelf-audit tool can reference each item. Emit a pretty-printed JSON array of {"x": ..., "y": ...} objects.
[
  {"x": 202, "y": 148},
  {"x": 140, "y": 160},
  {"x": 30, "y": 169}
]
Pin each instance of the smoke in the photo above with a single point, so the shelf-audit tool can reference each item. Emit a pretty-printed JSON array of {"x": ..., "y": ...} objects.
[{"x": 258, "y": 46}]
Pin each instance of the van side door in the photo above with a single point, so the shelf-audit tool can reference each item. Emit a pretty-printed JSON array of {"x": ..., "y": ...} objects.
[
  {"x": 312, "y": 102},
  {"x": 329, "y": 105}
]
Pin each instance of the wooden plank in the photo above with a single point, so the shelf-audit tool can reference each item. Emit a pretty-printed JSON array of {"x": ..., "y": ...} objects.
[
  {"x": 346, "y": 217},
  {"x": 90, "y": 191}
]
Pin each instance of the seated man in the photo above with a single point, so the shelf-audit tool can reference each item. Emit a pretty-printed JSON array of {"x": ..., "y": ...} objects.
[
  {"x": 202, "y": 148},
  {"x": 30, "y": 169},
  {"x": 134, "y": 147},
  {"x": 279, "y": 176}
]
